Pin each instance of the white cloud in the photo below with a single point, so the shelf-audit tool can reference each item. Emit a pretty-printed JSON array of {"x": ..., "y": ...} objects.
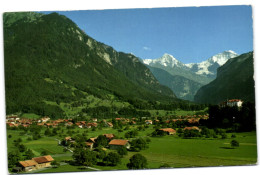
[{"x": 146, "y": 48}]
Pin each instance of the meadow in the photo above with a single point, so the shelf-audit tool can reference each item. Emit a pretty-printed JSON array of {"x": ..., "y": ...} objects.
[{"x": 171, "y": 149}]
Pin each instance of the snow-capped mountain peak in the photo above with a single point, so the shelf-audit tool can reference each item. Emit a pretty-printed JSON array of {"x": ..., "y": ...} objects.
[
  {"x": 209, "y": 67},
  {"x": 222, "y": 58},
  {"x": 165, "y": 60}
]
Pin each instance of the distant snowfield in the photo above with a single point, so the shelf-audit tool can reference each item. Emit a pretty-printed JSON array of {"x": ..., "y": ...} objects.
[{"x": 205, "y": 67}]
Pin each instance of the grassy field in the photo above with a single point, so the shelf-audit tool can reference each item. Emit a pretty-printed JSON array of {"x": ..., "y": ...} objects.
[
  {"x": 178, "y": 112},
  {"x": 175, "y": 151},
  {"x": 178, "y": 152}
]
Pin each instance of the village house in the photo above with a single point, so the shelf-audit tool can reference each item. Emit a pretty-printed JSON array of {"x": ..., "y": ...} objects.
[
  {"x": 28, "y": 165},
  {"x": 80, "y": 125},
  {"x": 89, "y": 145},
  {"x": 156, "y": 121},
  {"x": 12, "y": 118},
  {"x": 192, "y": 128},
  {"x": 12, "y": 124},
  {"x": 117, "y": 143},
  {"x": 68, "y": 124},
  {"x": 193, "y": 120},
  {"x": 36, "y": 163},
  {"x": 68, "y": 139},
  {"x": 232, "y": 103},
  {"x": 92, "y": 140},
  {"x": 169, "y": 131},
  {"x": 94, "y": 119},
  {"x": 133, "y": 122},
  {"x": 148, "y": 122},
  {"x": 45, "y": 119},
  {"x": 109, "y": 136},
  {"x": 43, "y": 161},
  {"x": 48, "y": 125},
  {"x": 91, "y": 125},
  {"x": 40, "y": 124},
  {"x": 109, "y": 124}
]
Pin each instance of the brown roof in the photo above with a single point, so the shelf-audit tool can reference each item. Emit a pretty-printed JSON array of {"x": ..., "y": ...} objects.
[
  {"x": 91, "y": 124},
  {"x": 67, "y": 138},
  {"x": 168, "y": 130},
  {"x": 190, "y": 128},
  {"x": 27, "y": 163},
  {"x": 93, "y": 139},
  {"x": 43, "y": 159},
  {"x": 109, "y": 136},
  {"x": 89, "y": 143},
  {"x": 109, "y": 123},
  {"x": 118, "y": 142}
]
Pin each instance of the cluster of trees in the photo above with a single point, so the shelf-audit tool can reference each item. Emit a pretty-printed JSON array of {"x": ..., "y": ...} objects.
[
  {"x": 173, "y": 105},
  {"x": 89, "y": 158},
  {"x": 131, "y": 134},
  {"x": 158, "y": 133},
  {"x": 139, "y": 144},
  {"x": 232, "y": 118}
]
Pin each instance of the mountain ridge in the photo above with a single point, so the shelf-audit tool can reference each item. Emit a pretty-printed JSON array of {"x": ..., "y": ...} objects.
[
  {"x": 241, "y": 71},
  {"x": 191, "y": 76},
  {"x": 50, "y": 58}
]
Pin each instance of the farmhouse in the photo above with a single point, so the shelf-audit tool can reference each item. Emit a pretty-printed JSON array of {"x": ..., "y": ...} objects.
[
  {"x": 117, "y": 143},
  {"x": 43, "y": 161},
  {"x": 28, "y": 165},
  {"x": 169, "y": 131},
  {"x": 36, "y": 163}
]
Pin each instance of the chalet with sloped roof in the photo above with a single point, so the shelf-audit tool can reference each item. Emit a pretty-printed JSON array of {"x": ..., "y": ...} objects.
[
  {"x": 117, "y": 143},
  {"x": 36, "y": 163},
  {"x": 28, "y": 165}
]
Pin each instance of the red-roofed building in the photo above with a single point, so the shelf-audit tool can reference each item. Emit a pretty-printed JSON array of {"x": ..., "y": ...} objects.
[
  {"x": 117, "y": 143},
  {"x": 36, "y": 163},
  {"x": 43, "y": 161},
  {"x": 109, "y": 136},
  {"x": 28, "y": 165},
  {"x": 169, "y": 131},
  {"x": 231, "y": 103},
  {"x": 192, "y": 128}
]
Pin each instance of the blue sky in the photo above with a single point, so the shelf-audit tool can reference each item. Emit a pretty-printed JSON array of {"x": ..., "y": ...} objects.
[{"x": 190, "y": 34}]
